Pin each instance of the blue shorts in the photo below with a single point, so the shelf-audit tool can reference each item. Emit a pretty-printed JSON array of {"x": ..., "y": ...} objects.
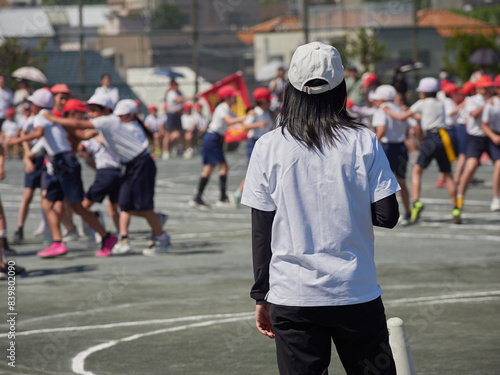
[
  {"x": 452, "y": 133},
  {"x": 432, "y": 148},
  {"x": 33, "y": 180},
  {"x": 54, "y": 189},
  {"x": 477, "y": 145},
  {"x": 397, "y": 154},
  {"x": 211, "y": 149},
  {"x": 68, "y": 173},
  {"x": 107, "y": 183},
  {"x": 461, "y": 133},
  {"x": 173, "y": 122},
  {"x": 250, "y": 146},
  {"x": 138, "y": 184}
]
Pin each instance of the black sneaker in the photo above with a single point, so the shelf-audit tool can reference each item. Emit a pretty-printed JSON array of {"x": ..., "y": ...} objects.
[
  {"x": 18, "y": 235},
  {"x": 7, "y": 250},
  {"x": 18, "y": 270},
  {"x": 199, "y": 204}
]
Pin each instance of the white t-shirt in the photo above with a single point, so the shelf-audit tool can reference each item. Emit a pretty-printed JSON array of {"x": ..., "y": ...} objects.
[
  {"x": 125, "y": 141},
  {"x": 6, "y": 99},
  {"x": 10, "y": 128},
  {"x": 474, "y": 124},
  {"x": 432, "y": 111},
  {"x": 111, "y": 92},
  {"x": 104, "y": 158},
  {"x": 491, "y": 115},
  {"x": 218, "y": 125},
  {"x": 200, "y": 120},
  {"x": 462, "y": 114},
  {"x": 153, "y": 123},
  {"x": 449, "y": 106},
  {"x": 260, "y": 115},
  {"x": 172, "y": 105},
  {"x": 395, "y": 130},
  {"x": 322, "y": 235},
  {"x": 187, "y": 122},
  {"x": 56, "y": 137}
]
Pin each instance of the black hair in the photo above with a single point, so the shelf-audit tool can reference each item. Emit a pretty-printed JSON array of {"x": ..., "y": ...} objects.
[
  {"x": 316, "y": 120},
  {"x": 106, "y": 75},
  {"x": 430, "y": 94},
  {"x": 148, "y": 132}
]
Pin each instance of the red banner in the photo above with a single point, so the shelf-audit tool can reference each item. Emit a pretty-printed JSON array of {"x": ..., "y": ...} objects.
[{"x": 236, "y": 80}]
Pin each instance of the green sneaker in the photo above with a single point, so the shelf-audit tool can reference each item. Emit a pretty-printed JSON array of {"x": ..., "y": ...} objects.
[
  {"x": 417, "y": 208},
  {"x": 456, "y": 219}
]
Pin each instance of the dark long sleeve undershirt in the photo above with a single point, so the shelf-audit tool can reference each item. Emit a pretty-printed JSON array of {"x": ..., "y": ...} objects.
[{"x": 385, "y": 213}]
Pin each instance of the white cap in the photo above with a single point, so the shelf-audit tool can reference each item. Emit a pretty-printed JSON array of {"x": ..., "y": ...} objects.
[
  {"x": 124, "y": 107},
  {"x": 385, "y": 92},
  {"x": 316, "y": 61},
  {"x": 42, "y": 98},
  {"x": 428, "y": 84},
  {"x": 101, "y": 99}
]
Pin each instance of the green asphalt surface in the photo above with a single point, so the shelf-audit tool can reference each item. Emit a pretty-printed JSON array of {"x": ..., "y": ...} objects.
[{"x": 189, "y": 311}]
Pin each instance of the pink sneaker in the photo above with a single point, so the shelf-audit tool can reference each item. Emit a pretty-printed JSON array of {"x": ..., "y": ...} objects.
[
  {"x": 54, "y": 250},
  {"x": 107, "y": 246}
]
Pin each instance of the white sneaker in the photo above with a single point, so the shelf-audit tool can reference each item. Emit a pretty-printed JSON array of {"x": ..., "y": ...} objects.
[
  {"x": 40, "y": 230},
  {"x": 122, "y": 247},
  {"x": 495, "y": 204},
  {"x": 165, "y": 156},
  {"x": 235, "y": 199},
  {"x": 223, "y": 204},
  {"x": 188, "y": 154},
  {"x": 199, "y": 204},
  {"x": 160, "y": 246},
  {"x": 71, "y": 236}
]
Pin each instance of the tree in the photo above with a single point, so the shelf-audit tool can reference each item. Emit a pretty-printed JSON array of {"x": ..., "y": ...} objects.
[
  {"x": 14, "y": 55},
  {"x": 168, "y": 16},
  {"x": 458, "y": 49},
  {"x": 362, "y": 46}
]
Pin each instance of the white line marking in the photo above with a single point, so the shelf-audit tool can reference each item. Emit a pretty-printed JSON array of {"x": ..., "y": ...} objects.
[
  {"x": 440, "y": 236},
  {"x": 78, "y": 362},
  {"x": 127, "y": 324},
  {"x": 459, "y": 296}
]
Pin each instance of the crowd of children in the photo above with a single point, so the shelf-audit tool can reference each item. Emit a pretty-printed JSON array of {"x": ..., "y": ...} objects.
[{"x": 447, "y": 123}]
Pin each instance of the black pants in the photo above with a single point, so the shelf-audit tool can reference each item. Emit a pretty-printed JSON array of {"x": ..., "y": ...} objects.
[{"x": 359, "y": 332}]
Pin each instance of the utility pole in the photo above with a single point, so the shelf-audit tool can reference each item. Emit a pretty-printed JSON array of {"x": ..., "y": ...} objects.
[
  {"x": 196, "y": 43},
  {"x": 414, "y": 33},
  {"x": 82, "y": 52},
  {"x": 305, "y": 22}
]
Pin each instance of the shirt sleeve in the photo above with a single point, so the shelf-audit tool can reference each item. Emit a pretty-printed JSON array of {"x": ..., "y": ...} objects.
[
  {"x": 381, "y": 180},
  {"x": 378, "y": 118},
  {"x": 417, "y": 107},
  {"x": 256, "y": 191},
  {"x": 98, "y": 122},
  {"x": 486, "y": 115}
]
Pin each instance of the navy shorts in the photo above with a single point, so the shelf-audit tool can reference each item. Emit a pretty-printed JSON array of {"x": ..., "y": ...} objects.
[
  {"x": 211, "y": 149},
  {"x": 477, "y": 145},
  {"x": 432, "y": 148},
  {"x": 397, "y": 154},
  {"x": 452, "y": 133},
  {"x": 173, "y": 122},
  {"x": 54, "y": 189},
  {"x": 107, "y": 183},
  {"x": 68, "y": 172},
  {"x": 33, "y": 180},
  {"x": 250, "y": 146},
  {"x": 461, "y": 134},
  {"x": 138, "y": 184}
]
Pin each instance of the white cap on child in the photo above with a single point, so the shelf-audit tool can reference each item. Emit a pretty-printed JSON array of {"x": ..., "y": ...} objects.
[
  {"x": 101, "y": 99},
  {"x": 42, "y": 98},
  {"x": 124, "y": 107}
]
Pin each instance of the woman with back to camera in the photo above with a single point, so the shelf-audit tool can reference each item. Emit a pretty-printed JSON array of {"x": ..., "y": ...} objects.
[{"x": 317, "y": 185}]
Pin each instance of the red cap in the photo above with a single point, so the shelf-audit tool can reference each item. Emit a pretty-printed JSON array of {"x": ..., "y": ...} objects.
[
  {"x": 227, "y": 91},
  {"x": 74, "y": 105},
  {"x": 10, "y": 112},
  {"x": 187, "y": 106},
  {"x": 60, "y": 88},
  {"x": 497, "y": 81},
  {"x": 349, "y": 103},
  {"x": 443, "y": 83},
  {"x": 369, "y": 79},
  {"x": 468, "y": 87},
  {"x": 261, "y": 93},
  {"x": 197, "y": 105},
  {"x": 138, "y": 102},
  {"x": 450, "y": 88},
  {"x": 484, "y": 81},
  {"x": 152, "y": 107},
  {"x": 57, "y": 113}
]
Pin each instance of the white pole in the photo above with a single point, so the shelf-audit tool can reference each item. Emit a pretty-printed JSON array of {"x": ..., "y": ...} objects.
[{"x": 398, "y": 340}]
